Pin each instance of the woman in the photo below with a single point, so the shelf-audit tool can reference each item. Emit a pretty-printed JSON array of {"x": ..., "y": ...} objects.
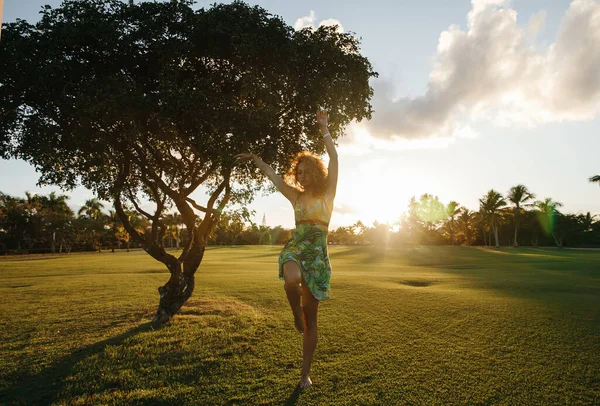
[{"x": 304, "y": 263}]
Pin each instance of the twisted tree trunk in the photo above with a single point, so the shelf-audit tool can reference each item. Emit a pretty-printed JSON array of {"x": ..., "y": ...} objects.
[{"x": 180, "y": 286}]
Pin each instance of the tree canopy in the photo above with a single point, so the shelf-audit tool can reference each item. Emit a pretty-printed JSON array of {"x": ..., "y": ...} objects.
[{"x": 155, "y": 98}]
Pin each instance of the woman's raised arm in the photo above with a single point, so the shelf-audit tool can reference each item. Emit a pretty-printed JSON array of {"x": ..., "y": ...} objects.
[
  {"x": 289, "y": 192},
  {"x": 332, "y": 170}
]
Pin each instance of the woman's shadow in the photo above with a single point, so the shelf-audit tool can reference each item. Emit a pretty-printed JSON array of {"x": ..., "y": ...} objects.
[
  {"x": 293, "y": 399},
  {"x": 45, "y": 387}
]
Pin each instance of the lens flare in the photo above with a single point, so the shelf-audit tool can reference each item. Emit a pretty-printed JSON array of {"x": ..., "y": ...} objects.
[{"x": 546, "y": 220}]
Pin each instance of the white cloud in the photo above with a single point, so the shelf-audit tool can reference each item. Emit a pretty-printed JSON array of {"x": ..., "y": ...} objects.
[
  {"x": 304, "y": 22},
  {"x": 332, "y": 22},
  {"x": 491, "y": 72},
  {"x": 309, "y": 22},
  {"x": 536, "y": 24},
  {"x": 358, "y": 141}
]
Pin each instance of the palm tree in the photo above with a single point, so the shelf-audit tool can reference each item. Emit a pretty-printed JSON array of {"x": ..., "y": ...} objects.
[
  {"x": 595, "y": 179},
  {"x": 169, "y": 222},
  {"x": 465, "y": 223},
  {"x": 530, "y": 221},
  {"x": 492, "y": 206},
  {"x": 479, "y": 219},
  {"x": 173, "y": 221},
  {"x": 518, "y": 196},
  {"x": 58, "y": 214},
  {"x": 453, "y": 209},
  {"x": 358, "y": 230},
  {"x": 113, "y": 221},
  {"x": 92, "y": 209},
  {"x": 33, "y": 206},
  {"x": 139, "y": 223},
  {"x": 547, "y": 211}
]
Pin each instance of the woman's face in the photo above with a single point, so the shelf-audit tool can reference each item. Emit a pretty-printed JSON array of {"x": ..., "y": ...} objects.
[{"x": 304, "y": 176}]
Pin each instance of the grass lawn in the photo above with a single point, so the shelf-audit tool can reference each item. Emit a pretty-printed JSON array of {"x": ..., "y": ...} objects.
[{"x": 413, "y": 325}]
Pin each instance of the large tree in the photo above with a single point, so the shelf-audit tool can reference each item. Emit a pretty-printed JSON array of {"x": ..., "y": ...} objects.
[{"x": 153, "y": 99}]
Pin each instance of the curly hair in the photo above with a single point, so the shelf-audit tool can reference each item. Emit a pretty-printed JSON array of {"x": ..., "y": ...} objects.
[{"x": 315, "y": 167}]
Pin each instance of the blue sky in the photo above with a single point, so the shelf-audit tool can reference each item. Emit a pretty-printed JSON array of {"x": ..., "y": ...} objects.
[{"x": 471, "y": 96}]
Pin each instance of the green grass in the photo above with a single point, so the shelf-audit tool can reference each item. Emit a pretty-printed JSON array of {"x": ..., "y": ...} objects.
[{"x": 415, "y": 325}]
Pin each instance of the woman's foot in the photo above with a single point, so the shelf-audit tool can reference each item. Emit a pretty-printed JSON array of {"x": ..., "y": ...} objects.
[
  {"x": 305, "y": 382},
  {"x": 298, "y": 322}
]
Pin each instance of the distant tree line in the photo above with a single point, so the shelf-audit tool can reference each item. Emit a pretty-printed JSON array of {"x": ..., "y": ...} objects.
[
  {"x": 516, "y": 219},
  {"x": 46, "y": 224}
]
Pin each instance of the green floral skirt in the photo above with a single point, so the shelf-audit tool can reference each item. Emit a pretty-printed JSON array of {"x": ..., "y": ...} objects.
[{"x": 308, "y": 249}]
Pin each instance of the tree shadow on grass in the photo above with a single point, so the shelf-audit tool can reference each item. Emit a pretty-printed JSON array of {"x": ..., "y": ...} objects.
[
  {"x": 530, "y": 273},
  {"x": 45, "y": 387},
  {"x": 365, "y": 254},
  {"x": 346, "y": 250}
]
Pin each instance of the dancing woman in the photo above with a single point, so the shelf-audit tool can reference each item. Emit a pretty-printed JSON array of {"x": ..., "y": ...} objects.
[{"x": 304, "y": 263}]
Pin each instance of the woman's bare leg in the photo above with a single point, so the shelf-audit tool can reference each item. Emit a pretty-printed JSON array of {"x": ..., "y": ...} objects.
[
  {"x": 292, "y": 278},
  {"x": 310, "y": 307}
]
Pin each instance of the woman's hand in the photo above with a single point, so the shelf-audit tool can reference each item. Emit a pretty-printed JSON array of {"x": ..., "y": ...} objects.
[{"x": 322, "y": 120}]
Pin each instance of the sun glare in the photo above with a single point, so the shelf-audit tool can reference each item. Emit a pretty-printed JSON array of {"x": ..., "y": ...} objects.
[
  {"x": 373, "y": 191},
  {"x": 379, "y": 189}
]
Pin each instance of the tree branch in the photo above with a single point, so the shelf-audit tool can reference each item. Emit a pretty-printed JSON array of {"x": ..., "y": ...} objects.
[
  {"x": 208, "y": 220},
  {"x": 194, "y": 184},
  {"x": 138, "y": 208},
  {"x": 216, "y": 215},
  {"x": 125, "y": 169},
  {"x": 158, "y": 228},
  {"x": 196, "y": 205},
  {"x": 125, "y": 220}
]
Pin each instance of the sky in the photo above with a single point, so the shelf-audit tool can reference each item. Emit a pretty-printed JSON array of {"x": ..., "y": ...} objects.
[{"x": 471, "y": 96}]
